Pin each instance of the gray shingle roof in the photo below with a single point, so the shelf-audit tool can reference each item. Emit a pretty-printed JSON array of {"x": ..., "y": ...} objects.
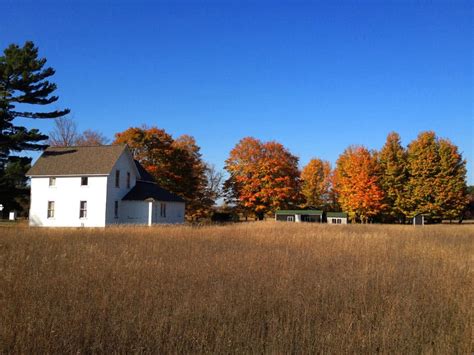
[{"x": 97, "y": 160}]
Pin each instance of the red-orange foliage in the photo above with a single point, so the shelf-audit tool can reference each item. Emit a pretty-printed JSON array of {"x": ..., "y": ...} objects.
[
  {"x": 357, "y": 183},
  {"x": 264, "y": 176},
  {"x": 175, "y": 164}
]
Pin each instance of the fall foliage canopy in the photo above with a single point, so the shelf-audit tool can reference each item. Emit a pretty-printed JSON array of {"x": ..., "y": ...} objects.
[
  {"x": 316, "y": 183},
  {"x": 264, "y": 176},
  {"x": 176, "y": 165},
  {"x": 394, "y": 176},
  {"x": 437, "y": 177},
  {"x": 357, "y": 183}
]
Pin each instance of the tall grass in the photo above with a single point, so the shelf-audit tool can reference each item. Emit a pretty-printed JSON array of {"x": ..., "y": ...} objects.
[{"x": 257, "y": 287}]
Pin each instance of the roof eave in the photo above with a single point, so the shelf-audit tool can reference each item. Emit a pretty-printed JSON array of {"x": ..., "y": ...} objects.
[{"x": 65, "y": 175}]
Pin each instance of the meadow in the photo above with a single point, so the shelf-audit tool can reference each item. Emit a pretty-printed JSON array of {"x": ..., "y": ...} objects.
[{"x": 261, "y": 287}]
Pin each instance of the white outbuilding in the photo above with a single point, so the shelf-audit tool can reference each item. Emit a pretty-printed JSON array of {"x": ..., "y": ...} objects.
[
  {"x": 336, "y": 217},
  {"x": 95, "y": 187}
]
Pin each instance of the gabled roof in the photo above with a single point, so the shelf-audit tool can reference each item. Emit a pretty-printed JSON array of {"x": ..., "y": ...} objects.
[
  {"x": 305, "y": 212},
  {"x": 93, "y": 160},
  {"x": 144, "y": 175},
  {"x": 148, "y": 190}
]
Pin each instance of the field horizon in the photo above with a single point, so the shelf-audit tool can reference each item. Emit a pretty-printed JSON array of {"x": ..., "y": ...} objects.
[{"x": 250, "y": 287}]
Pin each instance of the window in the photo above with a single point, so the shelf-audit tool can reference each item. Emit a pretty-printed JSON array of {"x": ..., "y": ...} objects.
[
  {"x": 290, "y": 218},
  {"x": 128, "y": 179},
  {"x": 339, "y": 221},
  {"x": 83, "y": 209},
  {"x": 52, "y": 181},
  {"x": 117, "y": 178},
  {"x": 50, "y": 209},
  {"x": 333, "y": 221},
  {"x": 163, "y": 210},
  {"x": 84, "y": 181},
  {"x": 116, "y": 209}
]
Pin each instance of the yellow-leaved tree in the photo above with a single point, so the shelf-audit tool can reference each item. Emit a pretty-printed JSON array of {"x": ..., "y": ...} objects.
[
  {"x": 437, "y": 178},
  {"x": 316, "y": 183}
]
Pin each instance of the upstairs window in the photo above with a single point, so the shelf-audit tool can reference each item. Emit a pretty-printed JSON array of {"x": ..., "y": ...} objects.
[
  {"x": 117, "y": 178},
  {"x": 50, "y": 209},
  {"x": 84, "y": 181},
  {"x": 52, "y": 181},
  {"x": 128, "y": 179},
  {"x": 163, "y": 210},
  {"x": 83, "y": 209}
]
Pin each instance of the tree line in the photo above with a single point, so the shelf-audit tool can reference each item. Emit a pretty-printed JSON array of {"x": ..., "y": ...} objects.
[
  {"x": 393, "y": 184},
  {"x": 390, "y": 185}
]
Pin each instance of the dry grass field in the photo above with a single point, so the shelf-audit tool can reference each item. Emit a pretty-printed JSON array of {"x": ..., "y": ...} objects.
[{"x": 248, "y": 288}]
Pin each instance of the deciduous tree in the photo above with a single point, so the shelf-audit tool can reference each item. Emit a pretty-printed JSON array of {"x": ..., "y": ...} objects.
[
  {"x": 437, "y": 177},
  {"x": 175, "y": 164},
  {"x": 316, "y": 183},
  {"x": 192, "y": 173},
  {"x": 65, "y": 134},
  {"x": 214, "y": 182},
  {"x": 452, "y": 192},
  {"x": 357, "y": 183},
  {"x": 91, "y": 138},
  {"x": 23, "y": 80},
  {"x": 264, "y": 176},
  {"x": 393, "y": 176}
]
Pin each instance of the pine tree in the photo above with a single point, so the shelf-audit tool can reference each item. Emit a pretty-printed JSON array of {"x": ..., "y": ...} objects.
[
  {"x": 23, "y": 80},
  {"x": 394, "y": 176}
]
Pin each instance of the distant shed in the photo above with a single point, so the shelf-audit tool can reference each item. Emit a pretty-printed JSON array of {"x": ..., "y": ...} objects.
[
  {"x": 311, "y": 216},
  {"x": 336, "y": 217},
  {"x": 420, "y": 219}
]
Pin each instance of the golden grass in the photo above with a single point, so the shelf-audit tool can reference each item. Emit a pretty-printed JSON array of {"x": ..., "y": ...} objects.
[{"x": 250, "y": 288}]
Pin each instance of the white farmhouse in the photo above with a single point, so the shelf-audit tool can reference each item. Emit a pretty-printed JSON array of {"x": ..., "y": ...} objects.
[{"x": 96, "y": 187}]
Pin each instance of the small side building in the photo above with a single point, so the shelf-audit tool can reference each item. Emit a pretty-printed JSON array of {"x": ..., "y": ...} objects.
[
  {"x": 311, "y": 216},
  {"x": 336, "y": 217},
  {"x": 421, "y": 219}
]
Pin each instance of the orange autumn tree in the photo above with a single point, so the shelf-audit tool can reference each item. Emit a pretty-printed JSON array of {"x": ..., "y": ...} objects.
[
  {"x": 263, "y": 177},
  {"x": 316, "y": 183},
  {"x": 357, "y": 183},
  {"x": 176, "y": 165},
  {"x": 188, "y": 160}
]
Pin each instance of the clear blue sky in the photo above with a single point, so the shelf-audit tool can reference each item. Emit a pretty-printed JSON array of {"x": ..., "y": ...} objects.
[{"x": 316, "y": 76}]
